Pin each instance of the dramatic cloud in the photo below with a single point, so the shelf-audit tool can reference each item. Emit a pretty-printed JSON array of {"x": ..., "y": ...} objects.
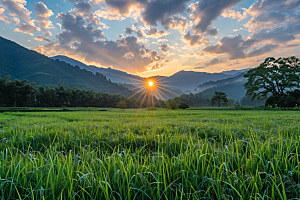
[
  {"x": 175, "y": 22},
  {"x": 122, "y": 7},
  {"x": 43, "y": 14},
  {"x": 236, "y": 48},
  {"x": 266, "y": 20},
  {"x": 205, "y": 12},
  {"x": 195, "y": 40},
  {"x": 162, "y": 10},
  {"x": 75, "y": 30},
  {"x": 285, "y": 6},
  {"x": 88, "y": 44}
]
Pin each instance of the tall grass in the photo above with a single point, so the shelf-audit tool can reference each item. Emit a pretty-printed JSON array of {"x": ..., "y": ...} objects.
[{"x": 155, "y": 155}]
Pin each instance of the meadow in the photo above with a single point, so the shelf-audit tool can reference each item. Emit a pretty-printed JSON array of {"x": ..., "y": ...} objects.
[{"x": 150, "y": 154}]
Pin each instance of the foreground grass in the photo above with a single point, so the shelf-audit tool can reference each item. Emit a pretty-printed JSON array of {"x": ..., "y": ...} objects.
[{"x": 159, "y": 154}]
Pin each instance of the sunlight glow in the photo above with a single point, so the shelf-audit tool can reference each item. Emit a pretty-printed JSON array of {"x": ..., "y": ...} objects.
[{"x": 150, "y": 83}]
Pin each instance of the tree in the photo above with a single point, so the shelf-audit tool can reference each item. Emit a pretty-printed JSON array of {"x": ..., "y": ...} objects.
[
  {"x": 172, "y": 104},
  {"x": 276, "y": 77},
  {"x": 121, "y": 105},
  {"x": 183, "y": 106},
  {"x": 218, "y": 97}
]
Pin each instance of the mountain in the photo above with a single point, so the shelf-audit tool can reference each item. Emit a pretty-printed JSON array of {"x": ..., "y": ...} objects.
[
  {"x": 232, "y": 86},
  {"x": 235, "y": 72},
  {"x": 22, "y": 63},
  {"x": 188, "y": 80},
  {"x": 114, "y": 75},
  {"x": 180, "y": 81}
]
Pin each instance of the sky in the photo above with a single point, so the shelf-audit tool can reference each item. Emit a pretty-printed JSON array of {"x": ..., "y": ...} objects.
[{"x": 156, "y": 37}]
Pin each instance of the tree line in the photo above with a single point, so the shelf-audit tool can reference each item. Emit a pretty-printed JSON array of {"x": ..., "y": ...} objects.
[{"x": 18, "y": 93}]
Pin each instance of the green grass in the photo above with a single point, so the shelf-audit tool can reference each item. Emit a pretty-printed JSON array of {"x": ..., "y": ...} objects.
[{"x": 150, "y": 154}]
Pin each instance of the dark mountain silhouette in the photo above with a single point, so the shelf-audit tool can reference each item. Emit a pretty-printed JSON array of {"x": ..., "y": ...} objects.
[
  {"x": 22, "y": 63},
  {"x": 232, "y": 86}
]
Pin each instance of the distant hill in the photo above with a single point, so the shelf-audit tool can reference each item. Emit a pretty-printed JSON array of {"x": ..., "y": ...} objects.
[
  {"x": 22, "y": 63},
  {"x": 233, "y": 87},
  {"x": 180, "y": 81},
  {"x": 188, "y": 80},
  {"x": 114, "y": 75}
]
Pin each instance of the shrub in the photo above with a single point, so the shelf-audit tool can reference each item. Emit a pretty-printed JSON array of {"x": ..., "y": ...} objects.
[{"x": 183, "y": 106}]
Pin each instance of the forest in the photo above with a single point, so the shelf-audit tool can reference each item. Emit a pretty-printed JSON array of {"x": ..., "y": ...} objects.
[{"x": 18, "y": 93}]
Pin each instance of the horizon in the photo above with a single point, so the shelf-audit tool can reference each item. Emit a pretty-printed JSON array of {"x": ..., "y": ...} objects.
[{"x": 150, "y": 38}]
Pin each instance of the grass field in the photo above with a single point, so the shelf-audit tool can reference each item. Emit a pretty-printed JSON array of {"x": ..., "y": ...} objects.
[{"x": 140, "y": 154}]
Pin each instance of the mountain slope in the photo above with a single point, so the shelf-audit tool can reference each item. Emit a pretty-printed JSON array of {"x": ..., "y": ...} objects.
[
  {"x": 116, "y": 76},
  {"x": 182, "y": 80},
  {"x": 233, "y": 87},
  {"x": 21, "y": 63},
  {"x": 188, "y": 80}
]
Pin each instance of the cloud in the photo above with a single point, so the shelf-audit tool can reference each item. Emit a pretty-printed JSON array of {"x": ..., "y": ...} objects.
[
  {"x": 175, "y": 22},
  {"x": 108, "y": 14},
  {"x": 75, "y": 29},
  {"x": 285, "y": 6},
  {"x": 83, "y": 8},
  {"x": 140, "y": 33},
  {"x": 278, "y": 35},
  {"x": 18, "y": 10},
  {"x": 129, "y": 30},
  {"x": 205, "y": 12},
  {"x": 212, "y": 31},
  {"x": 264, "y": 49},
  {"x": 234, "y": 14},
  {"x": 4, "y": 18},
  {"x": 154, "y": 33},
  {"x": 164, "y": 48},
  {"x": 236, "y": 48},
  {"x": 42, "y": 38},
  {"x": 88, "y": 44},
  {"x": 26, "y": 28},
  {"x": 162, "y": 10},
  {"x": 122, "y": 7},
  {"x": 155, "y": 66},
  {"x": 214, "y": 62},
  {"x": 43, "y": 14},
  {"x": 195, "y": 40},
  {"x": 266, "y": 20},
  {"x": 48, "y": 33}
]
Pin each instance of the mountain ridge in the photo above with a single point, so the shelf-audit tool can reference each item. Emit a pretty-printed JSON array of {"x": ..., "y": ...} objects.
[
  {"x": 181, "y": 80},
  {"x": 22, "y": 63}
]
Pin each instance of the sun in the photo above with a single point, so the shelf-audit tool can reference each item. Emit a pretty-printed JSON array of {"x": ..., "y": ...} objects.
[{"x": 150, "y": 83}]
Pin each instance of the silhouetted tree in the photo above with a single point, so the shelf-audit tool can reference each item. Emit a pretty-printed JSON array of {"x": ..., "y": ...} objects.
[
  {"x": 273, "y": 76},
  {"x": 219, "y": 97}
]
